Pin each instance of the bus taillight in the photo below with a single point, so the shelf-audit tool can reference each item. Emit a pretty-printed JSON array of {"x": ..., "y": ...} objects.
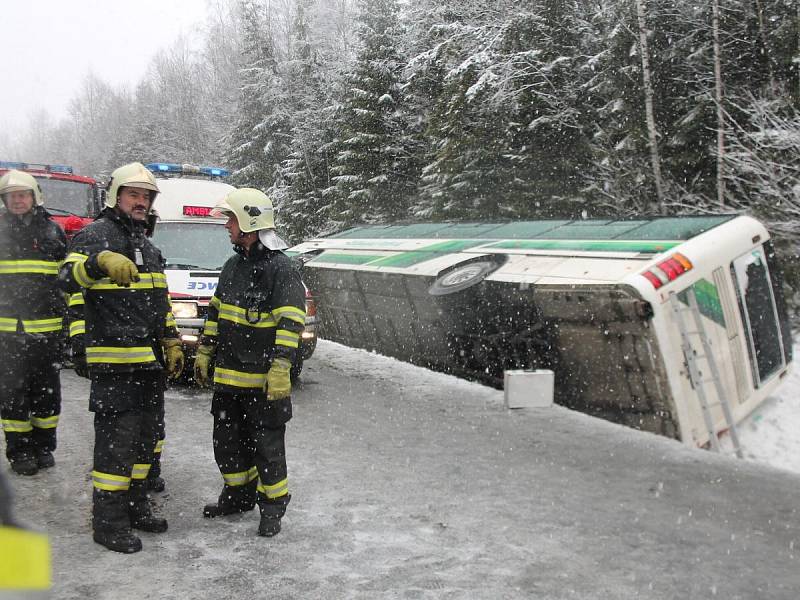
[{"x": 668, "y": 270}]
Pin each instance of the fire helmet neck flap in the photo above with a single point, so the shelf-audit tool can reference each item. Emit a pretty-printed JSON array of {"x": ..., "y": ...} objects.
[
  {"x": 133, "y": 175},
  {"x": 19, "y": 181}
]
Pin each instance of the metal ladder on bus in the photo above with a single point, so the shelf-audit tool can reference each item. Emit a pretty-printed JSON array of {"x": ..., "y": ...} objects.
[{"x": 696, "y": 375}]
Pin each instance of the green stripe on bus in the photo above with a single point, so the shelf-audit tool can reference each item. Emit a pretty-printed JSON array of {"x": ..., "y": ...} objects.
[
  {"x": 407, "y": 259},
  {"x": 586, "y": 245},
  {"x": 345, "y": 259}
]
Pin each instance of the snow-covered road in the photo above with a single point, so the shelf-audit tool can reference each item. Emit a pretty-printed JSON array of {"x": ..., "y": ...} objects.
[{"x": 412, "y": 484}]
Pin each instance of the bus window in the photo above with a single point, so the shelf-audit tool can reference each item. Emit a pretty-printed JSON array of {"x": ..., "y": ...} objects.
[{"x": 759, "y": 314}]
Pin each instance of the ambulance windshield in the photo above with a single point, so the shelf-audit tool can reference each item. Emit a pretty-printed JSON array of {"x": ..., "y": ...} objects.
[{"x": 193, "y": 245}]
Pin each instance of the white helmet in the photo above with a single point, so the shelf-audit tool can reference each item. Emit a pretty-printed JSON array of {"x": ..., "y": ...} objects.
[
  {"x": 19, "y": 181},
  {"x": 131, "y": 175}
]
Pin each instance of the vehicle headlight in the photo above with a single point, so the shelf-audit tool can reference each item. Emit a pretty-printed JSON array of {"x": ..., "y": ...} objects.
[{"x": 184, "y": 310}]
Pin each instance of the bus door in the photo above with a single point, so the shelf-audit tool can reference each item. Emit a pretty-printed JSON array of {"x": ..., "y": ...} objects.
[{"x": 761, "y": 314}]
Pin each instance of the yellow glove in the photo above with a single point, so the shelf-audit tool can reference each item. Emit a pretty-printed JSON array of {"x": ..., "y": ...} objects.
[
  {"x": 118, "y": 267},
  {"x": 173, "y": 353},
  {"x": 279, "y": 380},
  {"x": 202, "y": 364}
]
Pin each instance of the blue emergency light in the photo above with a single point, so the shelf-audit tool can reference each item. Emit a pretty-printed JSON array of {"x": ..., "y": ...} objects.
[
  {"x": 36, "y": 166},
  {"x": 215, "y": 171},
  {"x": 187, "y": 169},
  {"x": 164, "y": 167}
]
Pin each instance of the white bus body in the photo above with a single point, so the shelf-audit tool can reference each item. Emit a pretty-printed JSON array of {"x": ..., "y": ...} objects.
[{"x": 584, "y": 298}]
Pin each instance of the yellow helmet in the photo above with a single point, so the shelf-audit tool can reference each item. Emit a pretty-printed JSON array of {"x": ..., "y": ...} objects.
[
  {"x": 253, "y": 209},
  {"x": 19, "y": 181},
  {"x": 130, "y": 175}
]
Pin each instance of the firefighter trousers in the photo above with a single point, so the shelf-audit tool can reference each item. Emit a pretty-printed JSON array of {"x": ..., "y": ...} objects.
[
  {"x": 30, "y": 393},
  {"x": 126, "y": 421},
  {"x": 249, "y": 447}
]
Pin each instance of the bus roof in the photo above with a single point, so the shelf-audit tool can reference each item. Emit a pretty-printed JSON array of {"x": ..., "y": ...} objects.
[{"x": 676, "y": 229}]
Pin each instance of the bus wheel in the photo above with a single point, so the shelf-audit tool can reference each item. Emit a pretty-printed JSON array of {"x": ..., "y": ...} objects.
[{"x": 464, "y": 276}]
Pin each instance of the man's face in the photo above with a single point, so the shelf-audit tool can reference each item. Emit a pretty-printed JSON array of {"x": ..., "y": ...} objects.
[
  {"x": 19, "y": 202},
  {"x": 134, "y": 202},
  {"x": 233, "y": 229}
]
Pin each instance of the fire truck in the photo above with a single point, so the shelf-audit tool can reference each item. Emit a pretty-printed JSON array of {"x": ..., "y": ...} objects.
[{"x": 73, "y": 200}]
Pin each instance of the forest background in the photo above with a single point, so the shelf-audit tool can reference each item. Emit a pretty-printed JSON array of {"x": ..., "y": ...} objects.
[{"x": 381, "y": 111}]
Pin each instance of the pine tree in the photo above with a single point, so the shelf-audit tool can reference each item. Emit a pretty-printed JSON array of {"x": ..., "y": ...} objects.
[
  {"x": 259, "y": 139},
  {"x": 374, "y": 172}
]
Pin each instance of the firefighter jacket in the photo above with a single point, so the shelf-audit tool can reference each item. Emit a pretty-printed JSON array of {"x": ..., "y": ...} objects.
[
  {"x": 257, "y": 314},
  {"x": 118, "y": 328},
  {"x": 31, "y": 250}
]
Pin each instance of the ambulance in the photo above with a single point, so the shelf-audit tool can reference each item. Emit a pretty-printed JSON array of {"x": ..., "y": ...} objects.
[{"x": 196, "y": 246}]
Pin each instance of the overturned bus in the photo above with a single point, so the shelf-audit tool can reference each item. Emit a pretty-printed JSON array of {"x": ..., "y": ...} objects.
[{"x": 663, "y": 324}]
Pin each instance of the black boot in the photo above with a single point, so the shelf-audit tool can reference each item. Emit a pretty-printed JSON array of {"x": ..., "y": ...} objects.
[
  {"x": 119, "y": 541},
  {"x": 232, "y": 500},
  {"x": 111, "y": 523},
  {"x": 24, "y": 464},
  {"x": 44, "y": 459},
  {"x": 269, "y": 526},
  {"x": 140, "y": 511},
  {"x": 272, "y": 510}
]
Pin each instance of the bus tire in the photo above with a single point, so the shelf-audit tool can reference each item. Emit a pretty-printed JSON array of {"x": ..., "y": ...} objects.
[{"x": 464, "y": 276}]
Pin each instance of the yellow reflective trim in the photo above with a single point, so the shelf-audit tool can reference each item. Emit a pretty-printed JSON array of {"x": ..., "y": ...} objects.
[
  {"x": 75, "y": 299},
  {"x": 170, "y": 322},
  {"x": 147, "y": 281},
  {"x": 287, "y": 338},
  {"x": 236, "y": 479},
  {"x": 45, "y": 422},
  {"x": 211, "y": 328},
  {"x": 290, "y": 312},
  {"x": 109, "y": 482},
  {"x": 140, "y": 471},
  {"x": 81, "y": 276},
  {"x": 77, "y": 328},
  {"x": 40, "y": 267},
  {"x": 42, "y": 325},
  {"x": 252, "y": 474},
  {"x": 275, "y": 490},
  {"x": 239, "y": 378},
  {"x": 7, "y": 324},
  {"x": 214, "y": 302},
  {"x": 24, "y": 560},
  {"x": 14, "y": 426},
  {"x": 111, "y": 355},
  {"x": 159, "y": 446},
  {"x": 76, "y": 257},
  {"x": 238, "y": 315}
]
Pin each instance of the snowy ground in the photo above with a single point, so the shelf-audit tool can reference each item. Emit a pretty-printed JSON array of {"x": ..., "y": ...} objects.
[{"x": 411, "y": 484}]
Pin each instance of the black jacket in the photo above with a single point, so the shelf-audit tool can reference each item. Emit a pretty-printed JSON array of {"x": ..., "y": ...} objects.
[
  {"x": 257, "y": 314},
  {"x": 119, "y": 328},
  {"x": 30, "y": 255}
]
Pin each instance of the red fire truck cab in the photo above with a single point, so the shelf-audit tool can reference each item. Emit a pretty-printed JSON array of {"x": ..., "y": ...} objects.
[{"x": 73, "y": 200}]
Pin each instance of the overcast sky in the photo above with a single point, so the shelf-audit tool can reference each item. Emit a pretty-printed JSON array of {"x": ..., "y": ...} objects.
[{"x": 48, "y": 46}]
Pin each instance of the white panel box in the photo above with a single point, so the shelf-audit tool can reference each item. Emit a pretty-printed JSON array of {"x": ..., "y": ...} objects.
[{"x": 528, "y": 389}]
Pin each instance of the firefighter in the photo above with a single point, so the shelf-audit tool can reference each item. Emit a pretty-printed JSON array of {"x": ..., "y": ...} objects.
[
  {"x": 123, "y": 339},
  {"x": 32, "y": 309},
  {"x": 252, "y": 330}
]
